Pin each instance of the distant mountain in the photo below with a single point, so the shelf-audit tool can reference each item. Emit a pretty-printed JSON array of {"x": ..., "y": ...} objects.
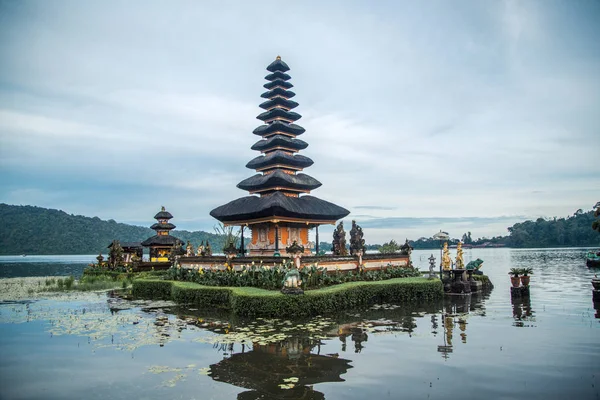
[{"x": 36, "y": 230}]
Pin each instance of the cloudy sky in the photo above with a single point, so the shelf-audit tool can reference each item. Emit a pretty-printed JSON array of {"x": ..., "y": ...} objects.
[{"x": 428, "y": 115}]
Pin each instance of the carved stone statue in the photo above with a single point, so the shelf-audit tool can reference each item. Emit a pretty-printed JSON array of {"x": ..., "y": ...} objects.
[
  {"x": 446, "y": 260},
  {"x": 200, "y": 250},
  {"x": 357, "y": 243},
  {"x": 339, "y": 241},
  {"x": 115, "y": 255},
  {"x": 295, "y": 251},
  {"x": 475, "y": 265},
  {"x": 207, "y": 249},
  {"x": 406, "y": 248},
  {"x": 189, "y": 250},
  {"x": 291, "y": 281},
  {"x": 431, "y": 267},
  {"x": 459, "y": 256}
]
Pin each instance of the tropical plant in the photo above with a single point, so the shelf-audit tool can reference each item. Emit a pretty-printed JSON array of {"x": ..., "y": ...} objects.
[
  {"x": 526, "y": 271},
  {"x": 229, "y": 232},
  {"x": 389, "y": 247},
  {"x": 515, "y": 272},
  {"x": 596, "y": 223}
]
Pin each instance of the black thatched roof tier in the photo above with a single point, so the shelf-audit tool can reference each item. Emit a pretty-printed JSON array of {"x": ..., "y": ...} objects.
[
  {"x": 278, "y": 83},
  {"x": 306, "y": 207},
  {"x": 278, "y": 75},
  {"x": 161, "y": 240},
  {"x": 278, "y": 65},
  {"x": 163, "y": 214},
  {"x": 127, "y": 245},
  {"x": 280, "y": 157},
  {"x": 278, "y": 101},
  {"x": 288, "y": 94},
  {"x": 279, "y": 126},
  {"x": 279, "y": 179},
  {"x": 167, "y": 226},
  {"x": 279, "y": 141},
  {"x": 279, "y": 113}
]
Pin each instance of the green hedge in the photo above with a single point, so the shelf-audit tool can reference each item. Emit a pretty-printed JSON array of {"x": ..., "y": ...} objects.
[
  {"x": 152, "y": 288},
  {"x": 249, "y": 301}
]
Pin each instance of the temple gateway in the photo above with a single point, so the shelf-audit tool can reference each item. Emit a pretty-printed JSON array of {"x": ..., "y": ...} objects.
[{"x": 280, "y": 209}]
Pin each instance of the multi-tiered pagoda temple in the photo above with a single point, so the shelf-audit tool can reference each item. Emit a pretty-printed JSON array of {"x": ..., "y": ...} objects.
[
  {"x": 162, "y": 243},
  {"x": 279, "y": 209}
]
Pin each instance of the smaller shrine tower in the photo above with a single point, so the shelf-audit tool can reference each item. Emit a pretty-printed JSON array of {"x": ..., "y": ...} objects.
[{"x": 162, "y": 243}]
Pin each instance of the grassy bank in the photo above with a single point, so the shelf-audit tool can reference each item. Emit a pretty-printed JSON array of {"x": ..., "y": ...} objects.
[
  {"x": 34, "y": 287},
  {"x": 249, "y": 301}
]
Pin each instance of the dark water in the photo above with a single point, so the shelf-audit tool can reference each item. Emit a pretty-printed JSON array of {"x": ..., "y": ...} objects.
[
  {"x": 474, "y": 347},
  {"x": 18, "y": 266}
]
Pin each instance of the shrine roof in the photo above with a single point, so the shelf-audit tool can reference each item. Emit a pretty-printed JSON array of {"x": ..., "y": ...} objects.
[
  {"x": 288, "y": 94},
  {"x": 280, "y": 157},
  {"x": 279, "y": 126},
  {"x": 278, "y": 75},
  {"x": 278, "y": 82},
  {"x": 305, "y": 207},
  {"x": 167, "y": 226},
  {"x": 279, "y": 140},
  {"x": 279, "y": 179},
  {"x": 278, "y": 65},
  {"x": 279, "y": 113},
  {"x": 278, "y": 101},
  {"x": 163, "y": 215},
  {"x": 127, "y": 245},
  {"x": 161, "y": 240}
]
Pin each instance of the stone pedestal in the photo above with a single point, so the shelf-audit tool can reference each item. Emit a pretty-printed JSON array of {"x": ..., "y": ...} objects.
[
  {"x": 476, "y": 286},
  {"x": 292, "y": 290},
  {"x": 521, "y": 291},
  {"x": 461, "y": 287}
]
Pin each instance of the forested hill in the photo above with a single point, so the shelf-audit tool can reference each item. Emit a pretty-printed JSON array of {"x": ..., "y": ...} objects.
[
  {"x": 575, "y": 230},
  {"x": 35, "y": 230}
]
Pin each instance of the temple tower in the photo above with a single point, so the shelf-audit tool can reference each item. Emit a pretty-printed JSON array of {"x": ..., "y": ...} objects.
[
  {"x": 162, "y": 243},
  {"x": 279, "y": 209}
]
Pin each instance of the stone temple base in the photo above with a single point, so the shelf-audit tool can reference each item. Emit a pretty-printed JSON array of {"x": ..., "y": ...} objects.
[{"x": 289, "y": 290}]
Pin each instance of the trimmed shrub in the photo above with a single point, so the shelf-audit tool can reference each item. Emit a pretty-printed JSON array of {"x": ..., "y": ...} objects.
[
  {"x": 152, "y": 289},
  {"x": 249, "y": 301}
]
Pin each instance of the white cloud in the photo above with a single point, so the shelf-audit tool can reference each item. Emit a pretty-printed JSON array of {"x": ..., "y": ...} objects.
[{"x": 466, "y": 110}]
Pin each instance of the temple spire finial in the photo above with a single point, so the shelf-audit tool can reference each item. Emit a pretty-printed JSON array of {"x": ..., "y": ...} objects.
[{"x": 278, "y": 58}]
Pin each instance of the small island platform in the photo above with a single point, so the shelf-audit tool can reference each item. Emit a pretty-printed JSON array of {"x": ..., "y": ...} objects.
[{"x": 251, "y": 301}]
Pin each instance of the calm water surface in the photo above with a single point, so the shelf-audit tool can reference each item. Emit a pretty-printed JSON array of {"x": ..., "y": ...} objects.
[{"x": 100, "y": 346}]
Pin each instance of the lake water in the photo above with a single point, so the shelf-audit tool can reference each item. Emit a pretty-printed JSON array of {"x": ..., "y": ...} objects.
[{"x": 100, "y": 346}]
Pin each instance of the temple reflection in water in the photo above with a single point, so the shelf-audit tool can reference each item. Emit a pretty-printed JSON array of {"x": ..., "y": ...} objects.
[
  {"x": 276, "y": 358},
  {"x": 294, "y": 365}
]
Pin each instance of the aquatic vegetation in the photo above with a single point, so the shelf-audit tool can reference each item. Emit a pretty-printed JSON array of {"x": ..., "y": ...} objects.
[{"x": 267, "y": 331}]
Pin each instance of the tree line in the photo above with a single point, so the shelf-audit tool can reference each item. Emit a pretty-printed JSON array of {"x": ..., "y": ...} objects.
[
  {"x": 36, "y": 230},
  {"x": 578, "y": 230}
]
